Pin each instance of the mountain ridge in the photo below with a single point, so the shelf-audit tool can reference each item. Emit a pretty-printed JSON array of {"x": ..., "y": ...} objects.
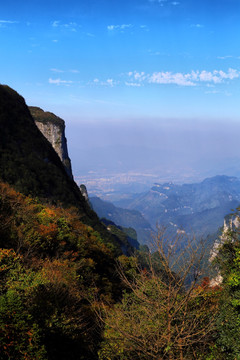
[{"x": 189, "y": 206}]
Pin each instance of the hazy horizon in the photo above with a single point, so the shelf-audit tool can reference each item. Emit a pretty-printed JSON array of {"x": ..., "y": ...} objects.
[{"x": 178, "y": 150}]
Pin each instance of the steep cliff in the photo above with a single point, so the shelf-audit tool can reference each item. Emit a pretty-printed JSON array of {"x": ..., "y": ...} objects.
[
  {"x": 27, "y": 159},
  {"x": 53, "y": 128},
  {"x": 30, "y": 165}
]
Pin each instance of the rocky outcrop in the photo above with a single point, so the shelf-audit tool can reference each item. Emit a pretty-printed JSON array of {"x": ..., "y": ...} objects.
[
  {"x": 53, "y": 128},
  {"x": 84, "y": 192}
]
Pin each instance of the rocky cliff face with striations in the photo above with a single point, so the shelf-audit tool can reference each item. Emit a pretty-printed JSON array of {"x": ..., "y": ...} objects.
[{"x": 53, "y": 128}]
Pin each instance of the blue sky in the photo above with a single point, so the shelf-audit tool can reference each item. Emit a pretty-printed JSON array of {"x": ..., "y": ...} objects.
[
  {"x": 101, "y": 62},
  {"x": 124, "y": 59}
]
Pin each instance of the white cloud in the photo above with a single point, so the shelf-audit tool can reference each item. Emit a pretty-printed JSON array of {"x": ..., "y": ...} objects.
[
  {"x": 119, "y": 27},
  {"x": 8, "y": 22},
  {"x": 59, "y": 81},
  {"x": 4, "y": 23},
  {"x": 225, "y": 57},
  {"x": 212, "y": 92},
  {"x": 140, "y": 76},
  {"x": 160, "y": 2},
  {"x": 155, "y": 53},
  {"x": 55, "y": 23},
  {"x": 175, "y": 3},
  {"x": 109, "y": 82},
  {"x": 144, "y": 27},
  {"x": 199, "y": 26},
  {"x": 132, "y": 84},
  {"x": 74, "y": 71},
  {"x": 57, "y": 70},
  {"x": 71, "y": 26},
  {"x": 157, "y": 1},
  {"x": 185, "y": 79},
  {"x": 228, "y": 57},
  {"x": 170, "y": 78},
  {"x": 210, "y": 79},
  {"x": 217, "y": 76}
]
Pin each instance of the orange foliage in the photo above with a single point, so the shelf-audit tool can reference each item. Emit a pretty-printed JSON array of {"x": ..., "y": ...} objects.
[{"x": 49, "y": 231}]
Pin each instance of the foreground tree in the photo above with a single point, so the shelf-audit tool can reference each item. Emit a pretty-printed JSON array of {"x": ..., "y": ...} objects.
[
  {"x": 228, "y": 263},
  {"x": 167, "y": 314}
]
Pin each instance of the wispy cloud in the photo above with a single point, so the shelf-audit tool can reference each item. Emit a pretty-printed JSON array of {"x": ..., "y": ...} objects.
[
  {"x": 109, "y": 82},
  {"x": 133, "y": 84},
  {"x": 55, "y": 23},
  {"x": 157, "y": 1},
  {"x": 73, "y": 71},
  {"x": 71, "y": 26},
  {"x": 228, "y": 57},
  {"x": 60, "y": 82},
  {"x": 57, "y": 70},
  {"x": 210, "y": 79},
  {"x": 198, "y": 26},
  {"x": 8, "y": 22},
  {"x": 144, "y": 27},
  {"x": 90, "y": 34},
  {"x": 156, "y": 53},
  {"x": 119, "y": 27},
  {"x": 170, "y": 78},
  {"x": 164, "y": 2},
  {"x": 5, "y": 23},
  {"x": 185, "y": 79}
]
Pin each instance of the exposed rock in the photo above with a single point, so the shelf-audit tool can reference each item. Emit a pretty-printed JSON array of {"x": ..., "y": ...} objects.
[
  {"x": 53, "y": 128},
  {"x": 84, "y": 192}
]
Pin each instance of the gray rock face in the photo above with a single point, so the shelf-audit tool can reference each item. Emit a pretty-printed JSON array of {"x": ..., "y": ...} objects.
[
  {"x": 53, "y": 128},
  {"x": 84, "y": 192}
]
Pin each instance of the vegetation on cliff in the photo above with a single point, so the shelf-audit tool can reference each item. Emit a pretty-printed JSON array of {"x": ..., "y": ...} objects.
[{"x": 53, "y": 268}]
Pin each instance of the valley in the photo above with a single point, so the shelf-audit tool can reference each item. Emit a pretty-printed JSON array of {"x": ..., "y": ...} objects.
[{"x": 197, "y": 208}]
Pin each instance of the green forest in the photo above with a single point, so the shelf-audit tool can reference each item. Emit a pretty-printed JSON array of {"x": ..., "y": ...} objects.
[{"x": 65, "y": 294}]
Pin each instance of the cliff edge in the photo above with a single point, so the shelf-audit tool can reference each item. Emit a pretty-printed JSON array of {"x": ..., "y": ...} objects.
[{"x": 53, "y": 128}]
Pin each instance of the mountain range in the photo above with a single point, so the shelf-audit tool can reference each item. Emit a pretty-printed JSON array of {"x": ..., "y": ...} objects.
[{"x": 197, "y": 208}]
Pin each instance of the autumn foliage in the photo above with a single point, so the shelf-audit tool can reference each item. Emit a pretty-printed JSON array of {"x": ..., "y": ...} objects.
[{"x": 51, "y": 267}]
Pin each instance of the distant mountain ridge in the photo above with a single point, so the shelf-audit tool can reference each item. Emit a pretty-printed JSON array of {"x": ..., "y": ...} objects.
[{"x": 198, "y": 208}]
